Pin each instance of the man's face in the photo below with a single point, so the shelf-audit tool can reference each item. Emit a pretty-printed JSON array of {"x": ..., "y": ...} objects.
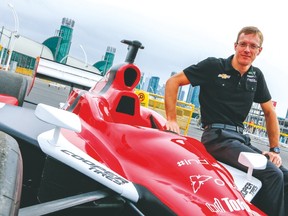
[{"x": 247, "y": 48}]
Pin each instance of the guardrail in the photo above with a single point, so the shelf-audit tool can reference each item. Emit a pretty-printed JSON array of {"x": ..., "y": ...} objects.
[
  {"x": 252, "y": 126},
  {"x": 156, "y": 102}
]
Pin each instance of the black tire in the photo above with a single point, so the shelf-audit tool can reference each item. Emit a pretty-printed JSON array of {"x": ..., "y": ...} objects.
[
  {"x": 14, "y": 85},
  {"x": 11, "y": 171}
]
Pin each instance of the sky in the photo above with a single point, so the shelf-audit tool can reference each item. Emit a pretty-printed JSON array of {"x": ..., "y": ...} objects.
[{"x": 175, "y": 34}]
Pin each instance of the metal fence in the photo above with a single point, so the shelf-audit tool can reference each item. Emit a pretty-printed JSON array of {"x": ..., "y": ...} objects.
[{"x": 156, "y": 102}]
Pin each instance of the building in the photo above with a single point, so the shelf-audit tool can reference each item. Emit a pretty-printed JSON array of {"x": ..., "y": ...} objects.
[
  {"x": 173, "y": 73},
  {"x": 141, "y": 81},
  {"x": 60, "y": 44},
  {"x": 153, "y": 84},
  {"x": 193, "y": 95},
  {"x": 104, "y": 65},
  {"x": 161, "y": 90},
  {"x": 145, "y": 84},
  {"x": 181, "y": 94},
  {"x": 23, "y": 51}
]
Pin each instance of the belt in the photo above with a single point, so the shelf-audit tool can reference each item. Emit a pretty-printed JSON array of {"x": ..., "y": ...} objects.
[{"x": 224, "y": 126}]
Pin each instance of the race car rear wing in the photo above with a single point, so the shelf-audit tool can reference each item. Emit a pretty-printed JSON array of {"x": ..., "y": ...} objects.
[
  {"x": 73, "y": 76},
  {"x": 65, "y": 74}
]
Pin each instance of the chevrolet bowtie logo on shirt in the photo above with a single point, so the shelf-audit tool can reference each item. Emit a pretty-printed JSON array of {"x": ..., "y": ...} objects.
[{"x": 224, "y": 76}]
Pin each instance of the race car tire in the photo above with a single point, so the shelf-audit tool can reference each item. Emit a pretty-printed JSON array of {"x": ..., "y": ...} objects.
[
  {"x": 14, "y": 85},
  {"x": 11, "y": 171}
]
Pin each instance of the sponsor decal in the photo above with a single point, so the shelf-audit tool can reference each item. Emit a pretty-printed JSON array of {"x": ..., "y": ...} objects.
[
  {"x": 185, "y": 162},
  {"x": 224, "y": 76},
  {"x": 216, "y": 165},
  {"x": 224, "y": 205},
  {"x": 251, "y": 77},
  {"x": 179, "y": 141},
  {"x": 197, "y": 181},
  {"x": 249, "y": 189},
  {"x": 106, "y": 173},
  {"x": 141, "y": 97},
  {"x": 191, "y": 161},
  {"x": 216, "y": 206}
]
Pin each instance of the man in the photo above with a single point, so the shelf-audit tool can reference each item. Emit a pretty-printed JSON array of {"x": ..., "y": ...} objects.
[{"x": 228, "y": 87}]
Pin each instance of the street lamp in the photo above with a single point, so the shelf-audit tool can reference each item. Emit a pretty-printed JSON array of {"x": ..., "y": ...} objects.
[
  {"x": 65, "y": 57},
  {"x": 13, "y": 34},
  {"x": 85, "y": 55},
  {"x": 2, "y": 47},
  {"x": 15, "y": 18}
]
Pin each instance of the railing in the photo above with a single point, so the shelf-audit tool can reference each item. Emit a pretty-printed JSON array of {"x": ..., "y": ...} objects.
[
  {"x": 24, "y": 71},
  {"x": 261, "y": 131},
  {"x": 156, "y": 102}
]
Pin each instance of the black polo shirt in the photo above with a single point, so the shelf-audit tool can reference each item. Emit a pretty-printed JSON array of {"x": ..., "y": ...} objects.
[{"x": 226, "y": 97}]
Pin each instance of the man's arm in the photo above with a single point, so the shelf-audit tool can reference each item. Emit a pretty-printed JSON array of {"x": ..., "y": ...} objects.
[
  {"x": 272, "y": 127},
  {"x": 171, "y": 92}
]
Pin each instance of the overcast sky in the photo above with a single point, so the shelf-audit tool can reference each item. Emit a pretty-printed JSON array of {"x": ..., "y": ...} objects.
[{"x": 175, "y": 34}]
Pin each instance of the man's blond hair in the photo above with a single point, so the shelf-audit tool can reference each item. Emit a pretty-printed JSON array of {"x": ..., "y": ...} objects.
[{"x": 251, "y": 30}]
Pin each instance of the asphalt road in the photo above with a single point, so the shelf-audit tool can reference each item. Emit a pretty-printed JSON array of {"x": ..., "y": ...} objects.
[
  {"x": 53, "y": 94},
  {"x": 46, "y": 92}
]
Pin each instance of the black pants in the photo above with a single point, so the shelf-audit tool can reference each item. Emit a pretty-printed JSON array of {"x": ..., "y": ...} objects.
[{"x": 225, "y": 146}]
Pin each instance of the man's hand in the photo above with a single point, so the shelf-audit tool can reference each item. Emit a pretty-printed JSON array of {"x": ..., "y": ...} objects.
[
  {"x": 274, "y": 158},
  {"x": 172, "y": 126}
]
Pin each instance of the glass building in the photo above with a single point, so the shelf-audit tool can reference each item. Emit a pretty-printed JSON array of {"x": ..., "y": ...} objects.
[
  {"x": 193, "y": 96},
  {"x": 153, "y": 84}
]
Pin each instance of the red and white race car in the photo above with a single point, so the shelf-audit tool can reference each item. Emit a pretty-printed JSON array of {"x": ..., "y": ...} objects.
[{"x": 104, "y": 154}]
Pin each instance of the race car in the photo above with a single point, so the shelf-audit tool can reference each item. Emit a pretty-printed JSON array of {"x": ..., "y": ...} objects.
[{"x": 104, "y": 154}]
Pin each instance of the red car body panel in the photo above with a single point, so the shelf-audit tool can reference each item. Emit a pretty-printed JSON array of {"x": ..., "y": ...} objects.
[{"x": 8, "y": 99}]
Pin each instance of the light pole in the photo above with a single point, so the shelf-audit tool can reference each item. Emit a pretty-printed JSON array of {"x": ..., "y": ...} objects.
[
  {"x": 85, "y": 55},
  {"x": 65, "y": 57},
  {"x": 2, "y": 47},
  {"x": 15, "y": 18},
  {"x": 13, "y": 34}
]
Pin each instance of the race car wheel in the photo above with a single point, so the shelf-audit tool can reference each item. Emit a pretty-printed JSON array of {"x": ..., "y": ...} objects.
[
  {"x": 10, "y": 175},
  {"x": 14, "y": 85}
]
